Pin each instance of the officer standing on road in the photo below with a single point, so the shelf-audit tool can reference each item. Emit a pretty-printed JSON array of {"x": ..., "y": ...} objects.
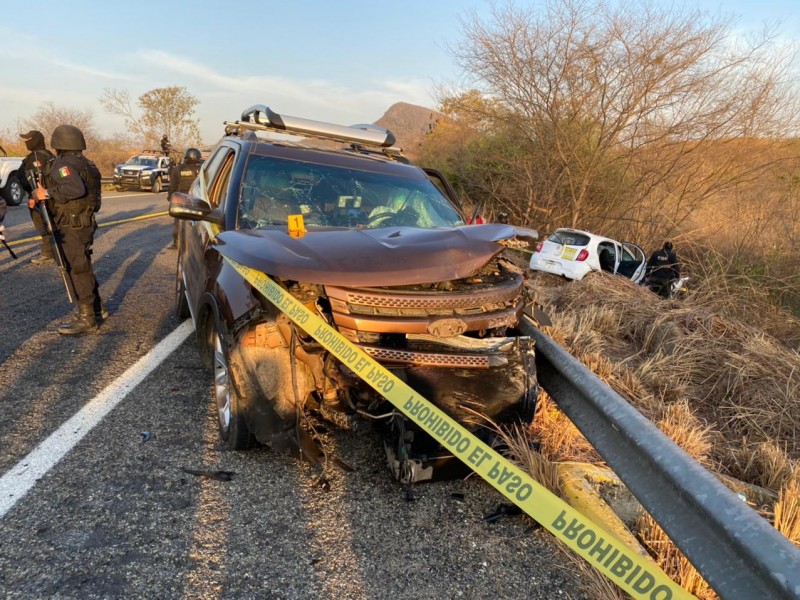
[
  {"x": 2, "y": 208},
  {"x": 663, "y": 268},
  {"x": 34, "y": 166},
  {"x": 181, "y": 178},
  {"x": 73, "y": 186},
  {"x": 2, "y": 218}
]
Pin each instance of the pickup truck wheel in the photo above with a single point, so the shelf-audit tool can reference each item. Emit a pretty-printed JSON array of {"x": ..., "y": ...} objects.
[
  {"x": 13, "y": 192},
  {"x": 156, "y": 189},
  {"x": 232, "y": 425}
]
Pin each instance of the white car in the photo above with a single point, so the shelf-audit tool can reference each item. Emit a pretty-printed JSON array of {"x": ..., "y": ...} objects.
[{"x": 572, "y": 253}]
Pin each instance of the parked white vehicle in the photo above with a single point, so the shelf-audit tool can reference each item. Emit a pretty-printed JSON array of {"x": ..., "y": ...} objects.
[
  {"x": 10, "y": 177},
  {"x": 573, "y": 254}
]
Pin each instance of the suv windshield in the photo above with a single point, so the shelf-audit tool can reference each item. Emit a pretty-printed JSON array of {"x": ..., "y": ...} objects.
[
  {"x": 330, "y": 196},
  {"x": 145, "y": 161}
]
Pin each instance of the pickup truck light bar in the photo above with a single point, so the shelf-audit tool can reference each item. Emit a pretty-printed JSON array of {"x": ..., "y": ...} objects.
[{"x": 367, "y": 135}]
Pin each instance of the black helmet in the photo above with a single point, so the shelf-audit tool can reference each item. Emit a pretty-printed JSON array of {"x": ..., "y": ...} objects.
[
  {"x": 502, "y": 217},
  {"x": 191, "y": 155},
  {"x": 67, "y": 137},
  {"x": 668, "y": 246}
]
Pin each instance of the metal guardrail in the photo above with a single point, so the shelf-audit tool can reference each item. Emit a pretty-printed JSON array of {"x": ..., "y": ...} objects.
[{"x": 737, "y": 551}]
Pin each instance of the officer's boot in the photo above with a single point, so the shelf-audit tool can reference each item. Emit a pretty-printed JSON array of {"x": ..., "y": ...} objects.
[
  {"x": 100, "y": 312},
  {"x": 85, "y": 322},
  {"x": 46, "y": 256}
]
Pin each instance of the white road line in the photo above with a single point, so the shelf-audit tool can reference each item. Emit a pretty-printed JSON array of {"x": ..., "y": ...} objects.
[{"x": 24, "y": 475}]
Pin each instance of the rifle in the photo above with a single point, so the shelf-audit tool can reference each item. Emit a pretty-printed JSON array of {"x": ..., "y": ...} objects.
[
  {"x": 36, "y": 180},
  {"x": 10, "y": 251}
]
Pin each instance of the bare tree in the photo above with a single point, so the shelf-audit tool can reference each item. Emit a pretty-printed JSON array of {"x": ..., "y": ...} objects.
[
  {"x": 49, "y": 116},
  {"x": 162, "y": 111},
  {"x": 629, "y": 111}
]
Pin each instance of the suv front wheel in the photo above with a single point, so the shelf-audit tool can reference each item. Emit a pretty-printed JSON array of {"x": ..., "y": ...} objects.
[{"x": 232, "y": 425}]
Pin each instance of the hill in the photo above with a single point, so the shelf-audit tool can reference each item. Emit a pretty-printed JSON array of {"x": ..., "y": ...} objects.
[{"x": 409, "y": 123}]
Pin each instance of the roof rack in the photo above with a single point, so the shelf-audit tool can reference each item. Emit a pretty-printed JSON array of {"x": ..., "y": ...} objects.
[{"x": 261, "y": 118}]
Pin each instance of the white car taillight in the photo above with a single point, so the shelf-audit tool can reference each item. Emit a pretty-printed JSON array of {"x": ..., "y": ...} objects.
[{"x": 582, "y": 255}]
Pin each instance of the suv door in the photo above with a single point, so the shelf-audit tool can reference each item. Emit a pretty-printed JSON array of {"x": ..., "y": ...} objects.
[{"x": 211, "y": 185}]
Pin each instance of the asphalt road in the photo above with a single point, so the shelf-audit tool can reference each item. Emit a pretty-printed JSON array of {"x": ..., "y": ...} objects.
[{"x": 112, "y": 512}]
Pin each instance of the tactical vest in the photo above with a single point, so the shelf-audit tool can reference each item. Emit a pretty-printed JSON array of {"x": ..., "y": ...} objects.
[{"x": 187, "y": 174}]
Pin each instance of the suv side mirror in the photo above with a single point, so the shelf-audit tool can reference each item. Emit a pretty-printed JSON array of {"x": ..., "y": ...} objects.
[{"x": 191, "y": 208}]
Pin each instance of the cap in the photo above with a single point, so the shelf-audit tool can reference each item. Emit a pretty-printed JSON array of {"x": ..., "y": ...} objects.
[{"x": 29, "y": 135}]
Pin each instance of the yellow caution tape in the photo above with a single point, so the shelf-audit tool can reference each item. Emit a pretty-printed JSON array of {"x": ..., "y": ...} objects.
[{"x": 637, "y": 575}]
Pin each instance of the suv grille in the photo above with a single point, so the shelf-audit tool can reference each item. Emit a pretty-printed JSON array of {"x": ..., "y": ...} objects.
[{"x": 387, "y": 310}]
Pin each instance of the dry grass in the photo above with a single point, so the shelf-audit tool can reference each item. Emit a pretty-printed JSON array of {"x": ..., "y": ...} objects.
[
  {"x": 718, "y": 372},
  {"x": 521, "y": 450},
  {"x": 733, "y": 376},
  {"x": 559, "y": 440},
  {"x": 671, "y": 560},
  {"x": 543, "y": 469},
  {"x": 787, "y": 510}
]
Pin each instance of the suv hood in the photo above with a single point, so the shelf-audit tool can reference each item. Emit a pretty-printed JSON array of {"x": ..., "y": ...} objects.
[
  {"x": 367, "y": 257},
  {"x": 135, "y": 167}
]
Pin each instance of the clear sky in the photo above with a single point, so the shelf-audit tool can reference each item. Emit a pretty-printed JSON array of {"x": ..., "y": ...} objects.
[{"x": 344, "y": 61}]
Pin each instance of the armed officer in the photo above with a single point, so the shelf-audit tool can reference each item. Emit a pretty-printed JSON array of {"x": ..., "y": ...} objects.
[
  {"x": 181, "y": 178},
  {"x": 33, "y": 166},
  {"x": 72, "y": 184},
  {"x": 663, "y": 267}
]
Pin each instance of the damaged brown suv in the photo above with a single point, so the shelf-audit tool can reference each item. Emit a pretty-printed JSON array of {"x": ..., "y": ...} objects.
[{"x": 382, "y": 253}]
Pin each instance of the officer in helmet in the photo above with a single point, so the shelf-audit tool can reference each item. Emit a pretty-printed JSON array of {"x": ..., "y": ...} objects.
[
  {"x": 181, "y": 178},
  {"x": 663, "y": 267},
  {"x": 34, "y": 166},
  {"x": 72, "y": 187}
]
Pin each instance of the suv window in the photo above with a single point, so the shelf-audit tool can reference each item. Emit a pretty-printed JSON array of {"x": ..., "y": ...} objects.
[
  {"x": 219, "y": 187},
  {"x": 335, "y": 196},
  {"x": 210, "y": 172}
]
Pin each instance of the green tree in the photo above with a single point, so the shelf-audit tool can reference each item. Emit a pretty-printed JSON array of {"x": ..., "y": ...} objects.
[{"x": 162, "y": 111}]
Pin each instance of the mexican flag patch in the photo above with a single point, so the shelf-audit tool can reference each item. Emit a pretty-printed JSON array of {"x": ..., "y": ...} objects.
[{"x": 64, "y": 172}]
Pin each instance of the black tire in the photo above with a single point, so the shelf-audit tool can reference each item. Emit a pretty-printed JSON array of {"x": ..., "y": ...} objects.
[
  {"x": 181, "y": 303},
  {"x": 156, "y": 189},
  {"x": 230, "y": 416},
  {"x": 13, "y": 192}
]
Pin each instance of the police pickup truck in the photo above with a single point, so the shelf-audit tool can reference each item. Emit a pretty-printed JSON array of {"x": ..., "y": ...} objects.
[
  {"x": 148, "y": 170},
  {"x": 10, "y": 177}
]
